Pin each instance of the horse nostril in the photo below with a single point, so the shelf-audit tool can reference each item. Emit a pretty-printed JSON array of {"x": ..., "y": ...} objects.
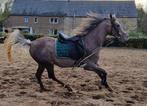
[{"x": 127, "y": 34}]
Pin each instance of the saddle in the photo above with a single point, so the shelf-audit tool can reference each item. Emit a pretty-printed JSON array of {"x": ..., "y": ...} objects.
[
  {"x": 71, "y": 47},
  {"x": 65, "y": 38}
]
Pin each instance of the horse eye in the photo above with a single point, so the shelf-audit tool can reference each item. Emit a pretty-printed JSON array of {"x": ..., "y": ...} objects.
[{"x": 117, "y": 26}]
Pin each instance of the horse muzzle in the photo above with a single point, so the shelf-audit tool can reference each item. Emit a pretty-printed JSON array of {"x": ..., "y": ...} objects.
[{"x": 124, "y": 37}]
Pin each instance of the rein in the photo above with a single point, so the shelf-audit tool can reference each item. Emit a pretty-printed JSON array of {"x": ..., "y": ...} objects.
[{"x": 91, "y": 54}]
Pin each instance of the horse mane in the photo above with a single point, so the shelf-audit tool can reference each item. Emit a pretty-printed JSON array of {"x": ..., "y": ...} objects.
[{"x": 88, "y": 24}]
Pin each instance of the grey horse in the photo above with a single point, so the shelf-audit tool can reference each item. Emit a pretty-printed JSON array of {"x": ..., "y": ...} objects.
[{"x": 92, "y": 32}]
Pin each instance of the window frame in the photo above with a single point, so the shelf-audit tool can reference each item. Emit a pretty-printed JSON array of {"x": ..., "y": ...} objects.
[
  {"x": 54, "y": 20},
  {"x": 26, "y": 19},
  {"x": 35, "y": 19}
]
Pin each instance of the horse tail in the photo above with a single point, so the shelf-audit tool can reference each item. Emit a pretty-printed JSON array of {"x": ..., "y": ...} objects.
[{"x": 14, "y": 38}]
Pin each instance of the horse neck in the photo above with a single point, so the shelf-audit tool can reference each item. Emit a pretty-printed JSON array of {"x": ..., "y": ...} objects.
[{"x": 95, "y": 38}]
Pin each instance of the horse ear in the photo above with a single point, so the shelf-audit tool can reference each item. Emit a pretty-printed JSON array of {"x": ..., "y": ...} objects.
[
  {"x": 6, "y": 31},
  {"x": 111, "y": 16},
  {"x": 114, "y": 17}
]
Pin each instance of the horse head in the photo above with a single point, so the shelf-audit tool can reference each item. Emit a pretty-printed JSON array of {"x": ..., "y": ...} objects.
[{"x": 117, "y": 29}]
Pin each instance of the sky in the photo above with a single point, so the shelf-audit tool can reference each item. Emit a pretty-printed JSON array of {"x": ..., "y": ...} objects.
[{"x": 142, "y": 3}]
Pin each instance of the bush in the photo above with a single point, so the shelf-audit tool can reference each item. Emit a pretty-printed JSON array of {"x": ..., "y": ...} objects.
[
  {"x": 2, "y": 34},
  {"x": 142, "y": 20},
  {"x": 136, "y": 34},
  {"x": 131, "y": 43},
  {"x": 136, "y": 40},
  {"x": 2, "y": 37},
  {"x": 137, "y": 43},
  {"x": 32, "y": 37},
  {"x": 54, "y": 36}
]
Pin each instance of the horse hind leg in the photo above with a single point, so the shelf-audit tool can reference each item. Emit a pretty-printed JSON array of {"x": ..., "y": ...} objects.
[
  {"x": 38, "y": 76},
  {"x": 50, "y": 70}
]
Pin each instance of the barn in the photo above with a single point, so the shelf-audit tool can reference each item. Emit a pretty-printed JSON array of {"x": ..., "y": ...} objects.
[{"x": 48, "y": 17}]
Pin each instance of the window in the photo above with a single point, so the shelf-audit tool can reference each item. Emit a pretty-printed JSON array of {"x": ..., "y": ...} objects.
[
  {"x": 35, "y": 20},
  {"x": 53, "y": 21},
  {"x": 26, "y": 19},
  {"x": 53, "y": 31}
]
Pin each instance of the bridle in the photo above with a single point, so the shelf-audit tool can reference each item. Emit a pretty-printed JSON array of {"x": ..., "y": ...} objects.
[{"x": 114, "y": 30}]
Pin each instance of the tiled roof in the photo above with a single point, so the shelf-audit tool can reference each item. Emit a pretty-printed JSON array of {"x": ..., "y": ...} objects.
[{"x": 73, "y": 8}]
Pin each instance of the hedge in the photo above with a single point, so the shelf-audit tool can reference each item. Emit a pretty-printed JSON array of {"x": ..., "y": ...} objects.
[
  {"x": 131, "y": 43},
  {"x": 2, "y": 37},
  {"x": 137, "y": 42},
  {"x": 32, "y": 37}
]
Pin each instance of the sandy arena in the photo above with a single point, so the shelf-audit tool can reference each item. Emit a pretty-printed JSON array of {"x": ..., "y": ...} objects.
[{"x": 127, "y": 75}]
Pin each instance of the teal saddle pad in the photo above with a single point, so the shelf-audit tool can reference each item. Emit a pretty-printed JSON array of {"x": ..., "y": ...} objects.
[{"x": 69, "y": 49}]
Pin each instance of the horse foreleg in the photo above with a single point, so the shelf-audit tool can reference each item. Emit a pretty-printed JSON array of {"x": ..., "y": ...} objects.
[
  {"x": 50, "y": 70},
  {"x": 38, "y": 76},
  {"x": 101, "y": 72}
]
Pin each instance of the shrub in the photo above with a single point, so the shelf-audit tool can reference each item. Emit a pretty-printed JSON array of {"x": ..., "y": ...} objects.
[
  {"x": 54, "y": 36},
  {"x": 2, "y": 37},
  {"x": 142, "y": 21},
  {"x": 136, "y": 34},
  {"x": 2, "y": 34},
  {"x": 32, "y": 37},
  {"x": 136, "y": 40},
  {"x": 137, "y": 43}
]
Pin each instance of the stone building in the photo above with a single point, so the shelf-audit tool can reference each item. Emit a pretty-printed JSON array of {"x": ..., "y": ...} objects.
[{"x": 49, "y": 17}]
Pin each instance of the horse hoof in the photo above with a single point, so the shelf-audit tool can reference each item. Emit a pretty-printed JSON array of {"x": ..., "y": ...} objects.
[
  {"x": 69, "y": 88},
  {"x": 109, "y": 89},
  {"x": 106, "y": 86},
  {"x": 100, "y": 86},
  {"x": 43, "y": 90}
]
